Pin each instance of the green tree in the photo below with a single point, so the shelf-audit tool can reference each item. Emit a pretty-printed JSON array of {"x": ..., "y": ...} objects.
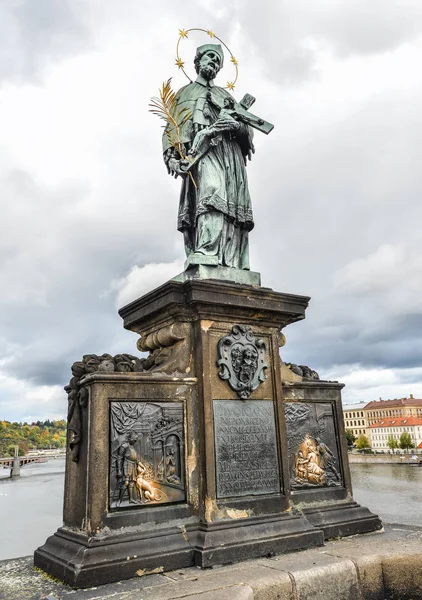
[
  {"x": 406, "y": 441},
  {"x": 362, "y": 442},
  {"x": 11, "y": 451},
  {"x": 350, "y": 437},
  {"x": 392, "y": 442}
]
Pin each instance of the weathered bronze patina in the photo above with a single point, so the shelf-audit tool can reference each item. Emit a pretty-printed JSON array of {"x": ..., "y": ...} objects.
[
  {"x": 146, "y": 453},
  {"x": 215, "y": 210},
  {"x": 313, "y": 454},
  {"x": 246, "y": 454}
]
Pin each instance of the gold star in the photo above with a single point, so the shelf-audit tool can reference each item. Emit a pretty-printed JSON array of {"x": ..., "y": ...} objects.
[
  {"x": 180, "y": 63},
  {"x": 230, "y": 85},
  {"x": 183, "y": 33},
  {"x": 234, "y": 61},
  {"x": 210, "y": 33}
]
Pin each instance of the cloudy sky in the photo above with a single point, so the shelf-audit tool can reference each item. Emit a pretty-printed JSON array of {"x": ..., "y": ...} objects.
[{"x": 88, "y": 218}]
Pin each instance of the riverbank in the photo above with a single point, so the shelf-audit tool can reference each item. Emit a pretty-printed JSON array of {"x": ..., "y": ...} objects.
[
  {"x": 376, "y": 566},
  {"x": 385, "y": 459}
]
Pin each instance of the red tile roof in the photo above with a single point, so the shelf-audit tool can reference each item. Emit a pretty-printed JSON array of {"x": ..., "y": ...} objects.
[
  {"x": 392, "y": 403},
  {"x": 397, "y": 422}
]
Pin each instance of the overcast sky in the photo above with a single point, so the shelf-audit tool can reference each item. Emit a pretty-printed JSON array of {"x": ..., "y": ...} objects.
[{"x": 88, "y": 217}]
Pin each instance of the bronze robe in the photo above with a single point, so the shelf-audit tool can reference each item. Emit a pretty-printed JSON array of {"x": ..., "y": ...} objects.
[{"x": 215, "y": 217}]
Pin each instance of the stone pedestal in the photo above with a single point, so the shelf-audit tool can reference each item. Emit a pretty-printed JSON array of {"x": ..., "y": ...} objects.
[{"x": 197, "y": 460}]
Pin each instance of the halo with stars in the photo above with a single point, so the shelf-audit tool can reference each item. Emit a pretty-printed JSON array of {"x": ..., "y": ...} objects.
[{"x": 183, "y": 34}]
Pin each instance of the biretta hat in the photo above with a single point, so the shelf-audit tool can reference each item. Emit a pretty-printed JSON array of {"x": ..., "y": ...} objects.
[{"x": 201, "y": 50}]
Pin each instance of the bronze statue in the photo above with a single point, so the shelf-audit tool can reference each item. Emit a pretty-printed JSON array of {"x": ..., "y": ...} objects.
[{"x": 215, "y": 141}]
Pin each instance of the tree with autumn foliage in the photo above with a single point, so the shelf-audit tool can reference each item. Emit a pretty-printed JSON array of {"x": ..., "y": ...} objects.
[{"x": 42, "y": 434}]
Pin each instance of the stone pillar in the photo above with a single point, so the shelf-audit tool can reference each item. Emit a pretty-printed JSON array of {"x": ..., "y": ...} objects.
[
  {"x": 16, "y": 467},
  {"x": 243, "y": 490}
]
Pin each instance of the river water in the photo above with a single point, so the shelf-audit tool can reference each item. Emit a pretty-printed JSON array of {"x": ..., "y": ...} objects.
[
  {"x": 391, "y": 491},
  {"x": 31, "y": 505}
]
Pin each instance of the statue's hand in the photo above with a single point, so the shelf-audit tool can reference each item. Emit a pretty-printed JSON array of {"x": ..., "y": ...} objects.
[
  {"x": 225, "y": 123},
  {"x": 251, "y": 151},
  {"x": 175, "y": 168},
  {"x": 200, "y": 137},
  {"x": 184, "y": 166}
]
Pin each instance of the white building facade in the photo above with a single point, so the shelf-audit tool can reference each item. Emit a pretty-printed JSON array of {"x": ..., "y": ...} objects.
[
  {"x": 380, "y": 432},
  {"x": 355, "y": 418}
]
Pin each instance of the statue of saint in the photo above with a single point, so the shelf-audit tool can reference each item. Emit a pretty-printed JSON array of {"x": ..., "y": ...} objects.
[{"x": 215, "y": 212}]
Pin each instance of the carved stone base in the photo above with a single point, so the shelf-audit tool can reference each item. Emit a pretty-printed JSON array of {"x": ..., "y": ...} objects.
[
  {"x": 339, "y": 520},
  {"x": 201, "y": 259},
  {"x": 199, "y": 454},
  {"x": 82, "y": 561},
  {"x": 203, "y": 270},
  {"x": 227, "y": 542}
]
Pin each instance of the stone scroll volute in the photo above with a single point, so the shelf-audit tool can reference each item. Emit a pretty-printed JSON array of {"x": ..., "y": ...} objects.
[{"x": 169, "y": 348}]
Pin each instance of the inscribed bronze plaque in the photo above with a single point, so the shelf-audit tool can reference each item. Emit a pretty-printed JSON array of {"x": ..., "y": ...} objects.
[
  {"x": 312, "y": 445},
  {"x": 245, "y": 448},
  {"x": 146, "y": 453}
]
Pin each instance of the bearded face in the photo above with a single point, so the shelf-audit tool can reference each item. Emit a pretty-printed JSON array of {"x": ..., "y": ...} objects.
[{"x": 209, "y": 65}]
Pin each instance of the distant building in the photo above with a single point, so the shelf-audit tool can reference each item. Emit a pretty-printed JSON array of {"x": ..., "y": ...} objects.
[
  {"x": 381, "y": 430},
  {"x": 355, "y": 419},
  {"x": 399, "y": 407},
  {"x": 361, "y": 418}
]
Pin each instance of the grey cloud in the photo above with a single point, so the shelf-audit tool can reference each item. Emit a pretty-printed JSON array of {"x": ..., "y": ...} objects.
[
  {"x": 370, "y": 27},
  {"x": 78, "y": 256},
  {"x": 349, "y": 190},
  {"x": 284, "y": 30},
  {"x": 341, "y": 336},
  {"x": 35, "y": 34}
]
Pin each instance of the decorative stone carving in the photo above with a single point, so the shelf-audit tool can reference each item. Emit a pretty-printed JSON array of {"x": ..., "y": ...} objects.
[
  {"x": 310, "y": 426},
  {"x": 77, "y": 400},
  {"x": 242, "y": 360},
  {"x": 78, "y": 396},
  {"x": 168, "y": 353},
  {"x": 303, "y": 371},
  {"x": 168, "y": 348},
  {"x": 146, "y": 453}
]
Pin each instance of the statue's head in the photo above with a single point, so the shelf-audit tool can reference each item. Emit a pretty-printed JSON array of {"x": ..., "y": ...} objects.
[
  {"x": 209, "y": 60},
  {"x": 132, "y": 437},
  {"x": 228, "y": 103}
]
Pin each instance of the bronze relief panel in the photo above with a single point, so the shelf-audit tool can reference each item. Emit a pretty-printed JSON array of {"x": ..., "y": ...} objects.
[
  {"x": 146, "y": 454},
  {"x": 312, "y": 445},
  {"x": 246, "y": 455}
]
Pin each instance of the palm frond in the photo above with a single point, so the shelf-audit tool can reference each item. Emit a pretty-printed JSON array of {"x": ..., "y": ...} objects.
[{"x": 164, "y": 108}]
